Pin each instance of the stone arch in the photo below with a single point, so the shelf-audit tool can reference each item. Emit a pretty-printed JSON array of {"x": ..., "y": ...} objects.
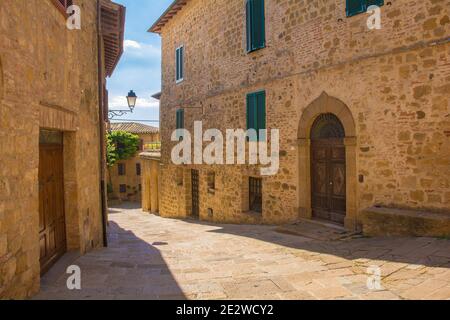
[
  {"x": 326, "y": 104},
  {"x": 322, "y": 105}
]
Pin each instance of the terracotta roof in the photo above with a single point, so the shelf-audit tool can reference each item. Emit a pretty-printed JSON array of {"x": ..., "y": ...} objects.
[
  {"x": 133, "y": 127},
  {"x": 173, "y": 9}
]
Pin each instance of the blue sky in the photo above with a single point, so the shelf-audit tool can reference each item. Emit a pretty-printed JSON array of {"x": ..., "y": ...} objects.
[{"x": 140, "y": 66}]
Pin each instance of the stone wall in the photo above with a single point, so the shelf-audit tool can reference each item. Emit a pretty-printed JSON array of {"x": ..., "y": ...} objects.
[
  {"x": 395, "y": 82},
  {"x": 48, "y": 79}
]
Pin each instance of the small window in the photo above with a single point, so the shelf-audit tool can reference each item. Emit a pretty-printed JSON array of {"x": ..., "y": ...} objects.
[
  {"x": 140, "y": 187},
  {"x": 141, "y": 145},
  {"x": 256, "y": 113},
  {"x": 255, "y": 194},
  {"x": 123, "y": 188},
  {"x": 138, "y": 169},
  {"x": 180, "y": 119},
  {"x": 355, "y": 7},
  {"x": 179, "y": 56},
  {"x": 211, "y": 182},
  {"x": 256, "y": 33},
  {"x": 121, "y": 167}
]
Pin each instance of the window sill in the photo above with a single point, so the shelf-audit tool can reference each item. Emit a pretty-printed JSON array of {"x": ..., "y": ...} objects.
[
  {"x": 179, "y": 81},
  {"x": 255, "y": 49}
]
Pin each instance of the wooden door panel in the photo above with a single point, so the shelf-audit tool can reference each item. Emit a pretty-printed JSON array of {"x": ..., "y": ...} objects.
[
  {"x": 328, "y": 175},
  {"x": 51, "y": 205}
]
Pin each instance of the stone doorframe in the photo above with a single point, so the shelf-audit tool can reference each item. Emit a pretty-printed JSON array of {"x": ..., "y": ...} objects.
[{"x": 327, "y": 104}]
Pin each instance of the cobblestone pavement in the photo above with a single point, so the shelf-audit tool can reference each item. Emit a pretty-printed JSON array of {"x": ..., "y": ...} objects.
[{"x": 154, "y": 258}]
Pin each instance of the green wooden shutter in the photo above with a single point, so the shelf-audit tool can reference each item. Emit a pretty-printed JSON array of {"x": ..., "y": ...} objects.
[
  {"x": 258, "y": 23},
  {"x": 181, "y": 63},
  {"x": 180, "y": 119},
  {"x": 261, "y": 113},
  {"x": 256, "y": 28},
  {"x": 248, "y": 16},
  {"x": 256, "y": 112},
  {"x": 177, "y": 57},
  {"x": 355, "y": 7},
  {"x": 252, "y": 112}
]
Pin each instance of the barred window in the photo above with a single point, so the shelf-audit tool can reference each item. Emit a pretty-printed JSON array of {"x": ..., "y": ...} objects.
[
  {"x": 121, "y": 169},
  {"x": 255, "y": 194}
]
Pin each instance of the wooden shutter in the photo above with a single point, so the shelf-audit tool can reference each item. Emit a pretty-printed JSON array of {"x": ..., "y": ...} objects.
[
  {"x": 256, "y": 112},
  {"x": 355, "y": 7},
  {"x": 261, "y": 113},
  {"x": 180, "y": 119},
  {"x": 179, "y": 57},
  {"x": 252, "y": 112},
  {"x": 177, "y": 68},
  {"x": 259, "y": 32},
  {"x": 181, "y": 63},
  {"x": 248, "y": 12},
  {"x": 256, "y": 30}
]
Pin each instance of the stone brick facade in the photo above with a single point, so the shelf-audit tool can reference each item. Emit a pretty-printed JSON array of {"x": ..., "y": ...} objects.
[
  {"x": 389, "y": 87},
  {"x": 49, "y": 78}
]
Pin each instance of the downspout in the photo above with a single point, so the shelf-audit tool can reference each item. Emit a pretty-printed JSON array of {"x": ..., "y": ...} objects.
[{"x": 101, "y": 115}]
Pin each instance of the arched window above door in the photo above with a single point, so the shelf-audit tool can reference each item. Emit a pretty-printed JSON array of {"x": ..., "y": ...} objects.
[{"x": 326, "y": 126}]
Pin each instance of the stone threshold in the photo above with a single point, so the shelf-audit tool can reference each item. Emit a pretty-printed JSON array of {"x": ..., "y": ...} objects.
[{"x": 317, "y": 230}]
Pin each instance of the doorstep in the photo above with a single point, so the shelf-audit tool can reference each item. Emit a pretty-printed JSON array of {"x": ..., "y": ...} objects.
[{"x": 317, "y": 230}]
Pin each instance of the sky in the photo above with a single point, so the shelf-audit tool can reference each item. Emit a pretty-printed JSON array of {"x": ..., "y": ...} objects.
[{"x": 139, "y": 68}]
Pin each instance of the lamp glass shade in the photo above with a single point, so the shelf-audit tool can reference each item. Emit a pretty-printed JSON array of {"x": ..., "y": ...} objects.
[{"x": 131, "y": 98}]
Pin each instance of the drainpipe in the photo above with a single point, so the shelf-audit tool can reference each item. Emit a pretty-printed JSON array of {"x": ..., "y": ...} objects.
[{"x": 101, "y": 115}]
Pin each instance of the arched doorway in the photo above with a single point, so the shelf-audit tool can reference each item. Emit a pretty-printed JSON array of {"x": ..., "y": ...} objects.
[
  {"x": 328, "y": 169},
  {"x": 327, "y": 136}
]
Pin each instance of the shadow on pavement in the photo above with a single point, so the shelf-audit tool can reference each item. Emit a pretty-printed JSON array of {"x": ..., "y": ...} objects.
[
  {"x": 129, "y": 268},
  {"x": 422, "y": 251}
]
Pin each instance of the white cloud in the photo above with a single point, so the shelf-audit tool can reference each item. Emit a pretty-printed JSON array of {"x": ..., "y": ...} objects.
[
  {"x": 140, "y": 49},
  {"x": 119, "y": 102},
  {"x": 127, "y": 44}
]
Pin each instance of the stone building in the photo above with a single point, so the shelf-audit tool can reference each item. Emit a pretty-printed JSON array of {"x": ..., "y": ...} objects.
[
  {"x": 125, "y": 177},
  {"x": 150, "y": 180},
  {"x": 363, "y": 113},
  {"x": 52, "y": 124}
]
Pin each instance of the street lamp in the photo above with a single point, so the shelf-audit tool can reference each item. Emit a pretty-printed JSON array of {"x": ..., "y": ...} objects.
[{"x": 131, "y": 99}]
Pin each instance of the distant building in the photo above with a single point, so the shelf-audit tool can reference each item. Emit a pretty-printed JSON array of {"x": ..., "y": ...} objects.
[{"x": 125, "y": 177}]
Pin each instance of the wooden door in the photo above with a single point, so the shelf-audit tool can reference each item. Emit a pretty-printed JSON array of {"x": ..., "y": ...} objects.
[
  {"x": 195, "y": 193},
  {"x": 52, "y": 231},
  {"x": 328, "y": 169}
]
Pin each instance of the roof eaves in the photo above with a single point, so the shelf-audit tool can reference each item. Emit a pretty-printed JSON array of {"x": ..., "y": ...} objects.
[{"x": 167, "y": 15}]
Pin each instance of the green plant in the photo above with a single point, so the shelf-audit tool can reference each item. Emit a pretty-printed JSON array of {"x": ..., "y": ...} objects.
[{"x": 120, "y": 145}]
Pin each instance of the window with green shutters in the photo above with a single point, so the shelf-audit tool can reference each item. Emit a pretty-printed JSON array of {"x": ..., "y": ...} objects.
[
  {"x": 355, "y": 7},
  {"x": 179, "y": 56},
  {"x": 256, "y": 112},
  {"x": 256, "y": 30},
  {"x": 180, "y": 119}
]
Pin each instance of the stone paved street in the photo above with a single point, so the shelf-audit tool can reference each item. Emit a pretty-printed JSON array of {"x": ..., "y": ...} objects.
[{"x": 154, "y": 258}]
